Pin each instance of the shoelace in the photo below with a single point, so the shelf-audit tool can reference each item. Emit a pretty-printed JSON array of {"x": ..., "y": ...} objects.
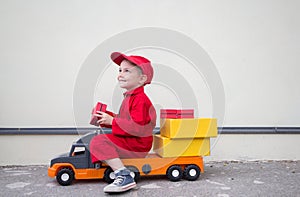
[{"x": 118, "y": 180}]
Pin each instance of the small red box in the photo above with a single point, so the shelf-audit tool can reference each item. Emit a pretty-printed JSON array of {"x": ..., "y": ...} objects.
[
  {"x": 176, "y": 113},
  {"x": 99, "y": 107}
]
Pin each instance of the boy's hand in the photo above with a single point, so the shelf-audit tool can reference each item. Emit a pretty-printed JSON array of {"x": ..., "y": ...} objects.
[{"x": 105, "y": 118}]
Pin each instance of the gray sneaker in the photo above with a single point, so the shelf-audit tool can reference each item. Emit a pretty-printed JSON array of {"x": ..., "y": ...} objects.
[{"x": 123, "y": 182}]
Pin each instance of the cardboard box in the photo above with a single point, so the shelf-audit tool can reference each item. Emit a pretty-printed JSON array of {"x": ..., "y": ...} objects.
[
  {"x": 166, "y": 147},
  {"x": 99, "y": 107},
  {"x": 175, "y": 113},
  {"x": 189, "y": 128}
]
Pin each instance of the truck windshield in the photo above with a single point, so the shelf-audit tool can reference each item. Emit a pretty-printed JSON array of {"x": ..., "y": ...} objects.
[{"x": 78, "y": 151}]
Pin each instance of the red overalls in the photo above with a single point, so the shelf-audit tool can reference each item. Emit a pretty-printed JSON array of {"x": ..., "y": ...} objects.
[{"x": 131, "y": 130}]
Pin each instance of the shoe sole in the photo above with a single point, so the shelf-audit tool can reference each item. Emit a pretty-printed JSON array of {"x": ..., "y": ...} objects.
[{"x": 123, "y": 189}]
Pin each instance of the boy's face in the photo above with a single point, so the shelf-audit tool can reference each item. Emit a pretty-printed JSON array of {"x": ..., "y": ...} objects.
[{"x": 130, "y": 77}]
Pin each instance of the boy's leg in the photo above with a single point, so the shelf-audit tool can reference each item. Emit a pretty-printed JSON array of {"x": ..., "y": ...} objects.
[
  {"x": 115, "y": 163},
  {"x": 102, "y": 148}
]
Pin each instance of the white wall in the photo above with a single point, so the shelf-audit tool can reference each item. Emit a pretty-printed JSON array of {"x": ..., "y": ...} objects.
[{"x": 253, "y": 44}]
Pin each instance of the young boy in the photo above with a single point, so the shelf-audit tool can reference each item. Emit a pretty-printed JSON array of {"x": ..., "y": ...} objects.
[{"x": 132, "y": 128}]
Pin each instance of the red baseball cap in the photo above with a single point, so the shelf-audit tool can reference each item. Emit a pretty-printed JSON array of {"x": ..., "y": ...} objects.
[{"x": 140, "y": 61}]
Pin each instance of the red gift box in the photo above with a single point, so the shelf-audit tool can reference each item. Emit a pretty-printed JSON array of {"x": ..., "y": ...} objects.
[
  {"x": 176, "y": 113},
  {"x": 99, "y": 107}
]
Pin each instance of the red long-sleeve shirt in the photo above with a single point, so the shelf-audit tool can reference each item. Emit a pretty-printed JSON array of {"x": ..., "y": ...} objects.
[
  {"x": 137, "y": 116},
  {"x": 132, "y": 128}
]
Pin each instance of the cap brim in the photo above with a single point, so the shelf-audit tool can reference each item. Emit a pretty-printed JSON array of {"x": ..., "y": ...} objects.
[{"x": 118, "y": 57}]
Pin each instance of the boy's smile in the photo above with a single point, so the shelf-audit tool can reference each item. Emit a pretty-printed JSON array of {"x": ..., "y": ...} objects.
[{"x": 130, "y": 76}]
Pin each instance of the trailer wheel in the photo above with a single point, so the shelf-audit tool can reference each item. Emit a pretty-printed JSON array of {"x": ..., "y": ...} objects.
[
  {"x": 65, "y": 176},
  {"x": 109, "y": 175},
  {"x": 174, "y": 173},
  {"x": 191, "y": 172},
  {"x": 134, "y": 172}
]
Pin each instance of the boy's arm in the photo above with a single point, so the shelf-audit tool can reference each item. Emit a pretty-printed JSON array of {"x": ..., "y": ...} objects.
[{"x": 141, "y": 123}]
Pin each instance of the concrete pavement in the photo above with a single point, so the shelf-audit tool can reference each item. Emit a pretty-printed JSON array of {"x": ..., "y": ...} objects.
[{"x": 221, "y": 179}]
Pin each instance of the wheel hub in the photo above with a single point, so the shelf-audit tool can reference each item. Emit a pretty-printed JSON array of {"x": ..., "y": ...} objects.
[{"x": 65, "y": 177}]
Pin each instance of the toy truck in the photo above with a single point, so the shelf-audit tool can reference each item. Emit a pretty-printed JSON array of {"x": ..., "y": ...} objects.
[{"x": 178, "y": 151}]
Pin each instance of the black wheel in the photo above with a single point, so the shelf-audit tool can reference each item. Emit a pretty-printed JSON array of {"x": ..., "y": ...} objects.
[
  {"x": 191, "y": 172},
  {"x": 65, "y": 176},
  {"x": 174, "y": 173},
  {"x": 134, "y": 173},
  {"x": 109, "y": 175}
]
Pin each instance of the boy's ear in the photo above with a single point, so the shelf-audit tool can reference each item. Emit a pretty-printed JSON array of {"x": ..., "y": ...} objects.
[{"x": 143, "y": 79}]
